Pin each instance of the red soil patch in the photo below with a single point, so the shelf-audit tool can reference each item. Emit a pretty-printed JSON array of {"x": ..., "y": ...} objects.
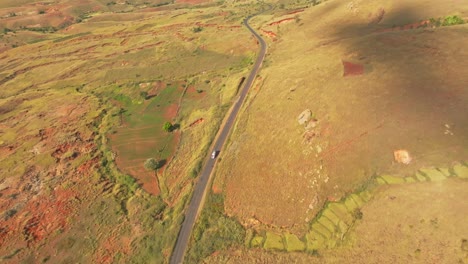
[
  {"x": 191, "y": 90},
  {"x": 350, "y": 69},
  {"x": 193, "y": 93},
  {"x": 270, "y": 34},
  {"x": 50, "y": 214},
  {"x": 196, "y": 122},
  {"x": 281, "y": 21},
  {"x": 3, "y": 234},
  {"x": 146, "y": 179},
  {"x": 416, "y": 25},
  {"x": 171, "y": 111},
  {"x": 216, "y": 189},
  {"x": 296, "y": 11},
  {"x": 86, "y": 167},
  {"x": 259, "y": 84},
  {"x": 228, "y": 27},
  {"x": 111, "y": 247},
  {"x": 37, "y": 213}
]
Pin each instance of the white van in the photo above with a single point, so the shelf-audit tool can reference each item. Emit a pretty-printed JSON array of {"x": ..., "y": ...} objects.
[{"x": 214, "y": 154}]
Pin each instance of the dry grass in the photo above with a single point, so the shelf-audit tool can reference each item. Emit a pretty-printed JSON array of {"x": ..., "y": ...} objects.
[{"x": 412, "y": 87}]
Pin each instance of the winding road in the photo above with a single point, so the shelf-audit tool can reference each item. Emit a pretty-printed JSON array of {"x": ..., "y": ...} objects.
[{"x": 196, "y": 203}]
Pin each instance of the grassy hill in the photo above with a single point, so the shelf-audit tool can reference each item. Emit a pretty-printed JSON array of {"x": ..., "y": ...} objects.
[{"x": 345, "y": 86}]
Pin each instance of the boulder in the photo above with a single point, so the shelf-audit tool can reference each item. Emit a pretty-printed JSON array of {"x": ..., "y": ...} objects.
[{"x": 304, "y": 117}]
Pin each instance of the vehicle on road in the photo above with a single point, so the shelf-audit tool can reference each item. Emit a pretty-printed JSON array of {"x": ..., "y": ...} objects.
[{"x": 200, "y": 189}]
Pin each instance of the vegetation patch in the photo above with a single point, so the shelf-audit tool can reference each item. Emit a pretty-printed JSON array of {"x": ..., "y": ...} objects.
[
  {"x": 141, "y": 136},
  {"x": 273, "y": 241},
  {"x": 293, "y": 243},
  {"x": 214, "y": 231},
  {"x": 257, "y": 241},
  {"x": 447, "y": 21}
]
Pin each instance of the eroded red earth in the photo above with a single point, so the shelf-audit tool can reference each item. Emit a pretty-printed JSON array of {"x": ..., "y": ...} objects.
[{"x": 41, "y": 200}]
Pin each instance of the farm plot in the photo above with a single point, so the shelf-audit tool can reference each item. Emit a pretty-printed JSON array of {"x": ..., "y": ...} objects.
[{"x": 141, "y": 135}]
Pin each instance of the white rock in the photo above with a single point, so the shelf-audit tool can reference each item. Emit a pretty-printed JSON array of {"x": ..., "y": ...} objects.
[{"x": 304, "y": 116}]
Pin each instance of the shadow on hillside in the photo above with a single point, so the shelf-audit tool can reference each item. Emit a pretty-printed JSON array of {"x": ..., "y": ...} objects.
[{"x": 420, "y": 98}]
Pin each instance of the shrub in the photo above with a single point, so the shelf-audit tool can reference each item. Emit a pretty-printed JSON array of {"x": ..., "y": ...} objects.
[
  {"x": 144, "y": 95},
  {"x": 128, "y": 181},
  {"x": 168, "y": 126},
  {"x": 6, "y": 30},
  {"x": 452, "y": 20},
  {"x": 214, "y": 231},
  {"x": 357, "y": 214},
  {"x": 197, "y": 29}
]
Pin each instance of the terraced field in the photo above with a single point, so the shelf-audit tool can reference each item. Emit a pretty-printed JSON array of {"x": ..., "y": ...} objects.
[{"x": 334, "y": 223}]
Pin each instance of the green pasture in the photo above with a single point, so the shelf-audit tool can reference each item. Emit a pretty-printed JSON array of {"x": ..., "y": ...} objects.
[{"x": 141, "y": 135}]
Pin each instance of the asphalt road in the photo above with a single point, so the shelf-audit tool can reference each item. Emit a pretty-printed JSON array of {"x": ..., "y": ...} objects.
[{"x": 200, "y": 188}]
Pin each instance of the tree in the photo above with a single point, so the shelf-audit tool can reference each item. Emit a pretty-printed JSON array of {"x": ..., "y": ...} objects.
[
  {"x": 168, "y": 126},
  {"x": 151, "y": 164}
]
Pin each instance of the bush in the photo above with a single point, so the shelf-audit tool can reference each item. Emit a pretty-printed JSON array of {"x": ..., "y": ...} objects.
[
  {"x": 168, "y": 126},
  {"x": 214, "y": 231},
  {"x": 197, "y": 29},
  {"x": 128, "y": 181},
  {"x": 452, "y": 20},
  {"x": 144, "y": 95},
  {"x": 6, "y": 30},
  {"x": 357, "y": 214},
  {"x": 447, "y": 21}
]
